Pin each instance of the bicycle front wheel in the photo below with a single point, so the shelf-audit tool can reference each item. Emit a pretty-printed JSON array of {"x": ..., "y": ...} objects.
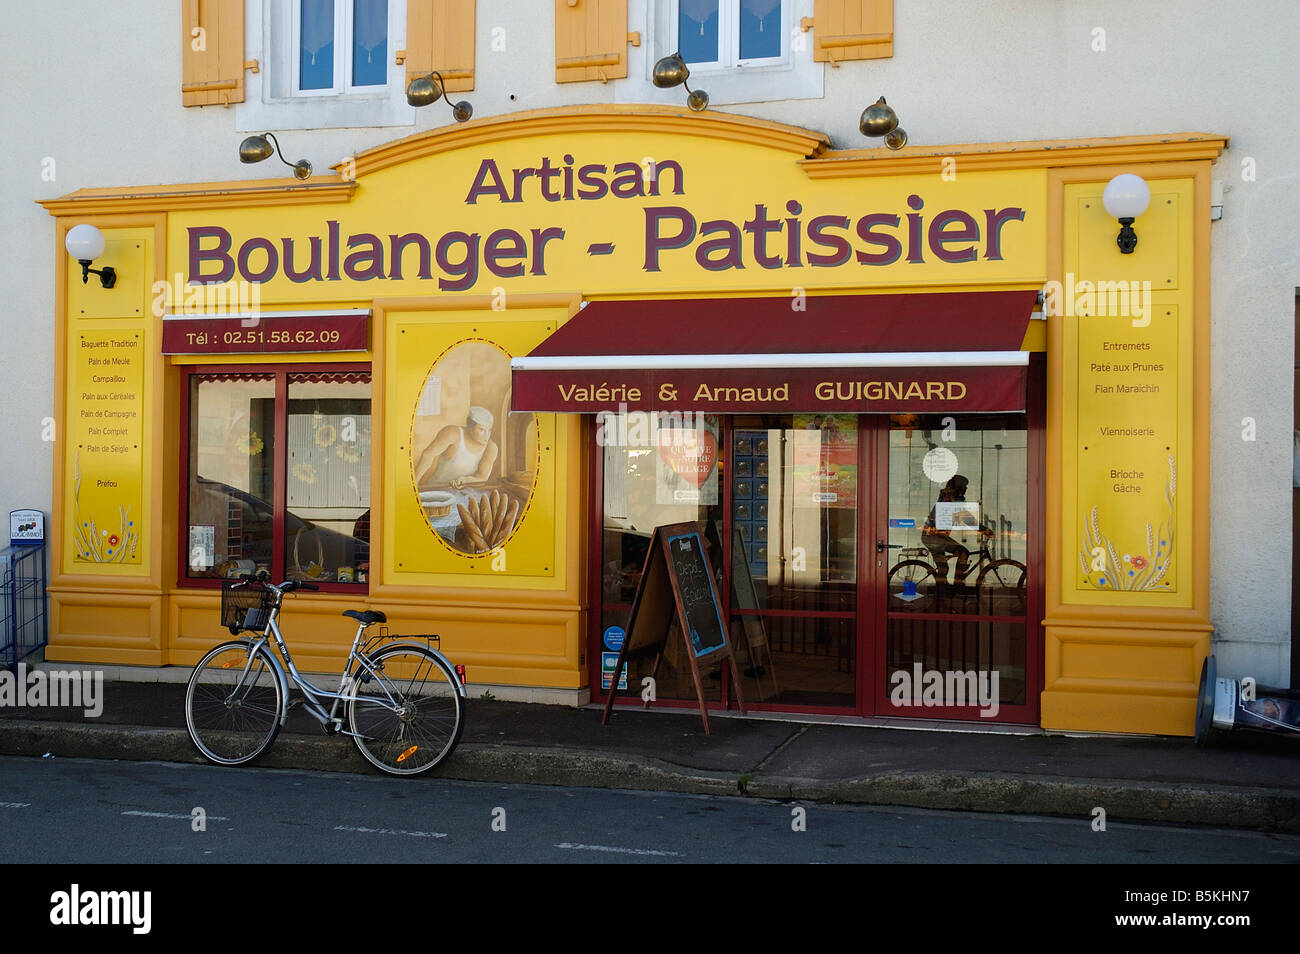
[
  {"x": 408, "y": 713},
  {"x": 234, "y": 703}
]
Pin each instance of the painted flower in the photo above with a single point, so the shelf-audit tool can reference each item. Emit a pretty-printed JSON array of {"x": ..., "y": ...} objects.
[
  {"x": 326, "y": 435},
  {"x": 113, "y": 540},
  {"x": 349, "y": 454},
  {"x": 305, "y": 473},
  {"x": 250, "y": 443},
  {"x": 1139, "y": 562}
]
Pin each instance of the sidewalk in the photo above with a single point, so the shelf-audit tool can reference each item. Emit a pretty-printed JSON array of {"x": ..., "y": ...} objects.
[{"x": 1248, "y": 781}]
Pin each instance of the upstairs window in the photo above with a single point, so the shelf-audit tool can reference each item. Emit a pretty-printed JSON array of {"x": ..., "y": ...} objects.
[
  {"x": 326, "y": 64},
  {"x": 721, "y": 34},
  {"x": 340, "y": 46},
  {"x": 738, "y": 51}
]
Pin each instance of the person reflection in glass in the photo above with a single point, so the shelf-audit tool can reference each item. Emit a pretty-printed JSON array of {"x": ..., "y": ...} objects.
[{"x": 940, "y": 542}]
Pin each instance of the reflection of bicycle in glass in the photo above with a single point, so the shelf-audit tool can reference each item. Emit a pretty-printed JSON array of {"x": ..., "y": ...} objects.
[{"x": 915, "y": 571}]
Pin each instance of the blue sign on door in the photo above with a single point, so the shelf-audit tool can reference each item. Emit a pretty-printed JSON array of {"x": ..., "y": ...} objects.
[{"x": 614, "y": 637}]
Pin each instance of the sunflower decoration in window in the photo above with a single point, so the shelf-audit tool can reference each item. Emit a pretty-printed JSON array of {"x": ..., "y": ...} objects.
[
  {"x": 304, "y": 472},
  {"x": 326, "y": 435},
  {"x": 249, "y": 443}
]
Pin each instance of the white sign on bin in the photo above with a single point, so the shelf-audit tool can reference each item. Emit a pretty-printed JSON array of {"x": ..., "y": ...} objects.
[{"x": 26, "y": 526}]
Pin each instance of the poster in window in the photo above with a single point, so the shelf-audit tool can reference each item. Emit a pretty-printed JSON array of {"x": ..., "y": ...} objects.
[
  {"x": 686, "y": 469},
  {"x": 825, "y": 460}
]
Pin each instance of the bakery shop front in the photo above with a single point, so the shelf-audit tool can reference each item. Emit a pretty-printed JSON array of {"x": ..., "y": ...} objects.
[
  {"x": 463, "y": 378},
  {"x": 826, "y": 483}
]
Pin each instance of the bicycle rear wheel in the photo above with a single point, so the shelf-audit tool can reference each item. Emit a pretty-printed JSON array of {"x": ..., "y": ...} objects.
[
  {"x": 917, "y": 573},
  {"x": 408, "y": 714},
  {"x": 233, "y": 705}
]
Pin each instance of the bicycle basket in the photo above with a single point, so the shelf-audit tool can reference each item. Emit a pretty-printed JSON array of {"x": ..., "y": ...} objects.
[{"x": 245, "y": 605}]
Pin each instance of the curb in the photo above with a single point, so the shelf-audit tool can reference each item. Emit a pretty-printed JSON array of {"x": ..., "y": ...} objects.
[{"x": 1269, "y": 810}]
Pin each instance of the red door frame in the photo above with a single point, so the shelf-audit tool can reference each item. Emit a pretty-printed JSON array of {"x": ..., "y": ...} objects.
[{"x": 872, "y": 570}]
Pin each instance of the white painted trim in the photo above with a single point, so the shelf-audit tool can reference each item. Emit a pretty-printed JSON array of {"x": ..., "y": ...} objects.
[{"x": 691, "y": 362}]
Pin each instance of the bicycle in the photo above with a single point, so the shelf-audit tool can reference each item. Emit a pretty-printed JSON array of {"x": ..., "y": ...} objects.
[
  {"x": 914, "y": 571},
  {"x": 402, "y": 701}
]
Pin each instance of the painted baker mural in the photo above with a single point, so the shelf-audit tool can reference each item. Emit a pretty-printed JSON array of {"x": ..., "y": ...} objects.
[{"x": 473, "y": 462}]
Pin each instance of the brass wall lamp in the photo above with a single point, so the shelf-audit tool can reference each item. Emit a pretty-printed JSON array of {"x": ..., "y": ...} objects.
[
  {"x": 426, "y": 90},
  {"x": 256, "y": 148},
  {"x": 85, "y": 243},
  {"x": 879, "y": 119},
  {"x": 1126, "y": 197},
  {"x": 671, "y": 71}
]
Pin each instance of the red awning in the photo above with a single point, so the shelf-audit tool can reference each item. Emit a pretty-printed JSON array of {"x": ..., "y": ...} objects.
[{"x": 957, "y": 351}]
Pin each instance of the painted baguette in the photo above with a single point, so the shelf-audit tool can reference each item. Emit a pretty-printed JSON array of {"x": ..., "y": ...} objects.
[
  {"x": 471, "y": 529},
  {"x": 500, "y": 525},
  {"x": 510, "y": 522}
]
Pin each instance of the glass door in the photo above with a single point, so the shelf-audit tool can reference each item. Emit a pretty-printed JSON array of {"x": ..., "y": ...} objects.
[
  {"x": 956, "y": 551},
  {"x": 657, "y": 469},
  {"x": 931, "y": 619},
  {"x": 793, "y": 482}
]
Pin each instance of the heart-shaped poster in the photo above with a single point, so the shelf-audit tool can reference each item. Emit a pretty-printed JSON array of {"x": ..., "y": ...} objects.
[{"x": 692, "y": 454}]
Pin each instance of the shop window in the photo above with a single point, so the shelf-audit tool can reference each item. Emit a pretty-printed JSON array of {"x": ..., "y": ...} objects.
[
  {"x": 738, "y": 50},
  {"x": 278, "y": 475}
]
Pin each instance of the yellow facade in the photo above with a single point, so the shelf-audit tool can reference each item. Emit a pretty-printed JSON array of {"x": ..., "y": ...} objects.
[{"x": 464, "y": 243}]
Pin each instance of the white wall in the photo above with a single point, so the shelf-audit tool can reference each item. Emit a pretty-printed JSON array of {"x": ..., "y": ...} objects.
[{"x": 95, "y": 87}]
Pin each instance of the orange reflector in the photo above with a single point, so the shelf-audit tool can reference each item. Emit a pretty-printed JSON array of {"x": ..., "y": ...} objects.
[
  {"x": 407, "y": 754},
  {"x": 233, "y": 664}
]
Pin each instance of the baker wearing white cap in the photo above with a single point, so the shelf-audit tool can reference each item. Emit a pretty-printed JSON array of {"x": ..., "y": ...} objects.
[{"x": 459, "y": 455}]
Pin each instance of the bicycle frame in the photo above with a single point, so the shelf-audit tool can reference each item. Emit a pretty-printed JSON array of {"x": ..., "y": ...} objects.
[
  {"x": 984, "y": 555},
  {"x": 314, "y": 697}
]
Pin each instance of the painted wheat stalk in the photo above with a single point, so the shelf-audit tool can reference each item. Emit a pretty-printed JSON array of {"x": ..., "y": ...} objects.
[
  {"x": 90, "y": 541},
  {"x": 1159, "y": 549}
]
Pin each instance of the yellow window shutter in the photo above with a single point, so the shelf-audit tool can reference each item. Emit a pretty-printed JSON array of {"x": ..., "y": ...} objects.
[
  {"x": 852, "y": 30},
  {"x": 440, "y": 36},
  {"x": 212, "y": 52},
  {"x": 591, "y": 40}
]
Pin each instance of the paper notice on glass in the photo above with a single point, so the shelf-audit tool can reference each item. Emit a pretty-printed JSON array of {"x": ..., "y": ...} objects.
[
  {"x": 956, "y": 515},
  {"x": 202, "y": 547},
  {"x": 686, "y": 469},
  {"x": 616, "y": 465}
]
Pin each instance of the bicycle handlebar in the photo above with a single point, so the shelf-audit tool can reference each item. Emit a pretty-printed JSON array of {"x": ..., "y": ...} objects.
[{"x": 287, "y": 586}]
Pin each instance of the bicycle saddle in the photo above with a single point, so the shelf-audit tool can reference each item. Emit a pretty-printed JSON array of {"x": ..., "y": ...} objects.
[{"x": 368, "y": 617}]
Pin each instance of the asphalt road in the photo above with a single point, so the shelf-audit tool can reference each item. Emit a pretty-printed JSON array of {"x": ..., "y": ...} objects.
[{"x": 147, "y": 812}]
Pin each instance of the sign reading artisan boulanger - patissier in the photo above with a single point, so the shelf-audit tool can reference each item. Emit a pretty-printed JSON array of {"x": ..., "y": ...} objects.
[{"x": 618, "y": 212}]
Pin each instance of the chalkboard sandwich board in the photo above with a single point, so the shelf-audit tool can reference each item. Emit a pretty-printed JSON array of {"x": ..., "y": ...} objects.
[{"x": 677, "y": 576}]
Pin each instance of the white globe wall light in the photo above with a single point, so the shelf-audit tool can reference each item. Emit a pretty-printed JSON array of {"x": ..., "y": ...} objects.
[
  {"x": 85, "y": 243},
  {"x": 1126, "y": 197}
]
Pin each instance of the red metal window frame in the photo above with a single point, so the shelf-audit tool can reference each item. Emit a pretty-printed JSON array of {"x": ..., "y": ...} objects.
[
  {"x": 872, "y": 623},
  {"x": 280, "y": 373}
]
